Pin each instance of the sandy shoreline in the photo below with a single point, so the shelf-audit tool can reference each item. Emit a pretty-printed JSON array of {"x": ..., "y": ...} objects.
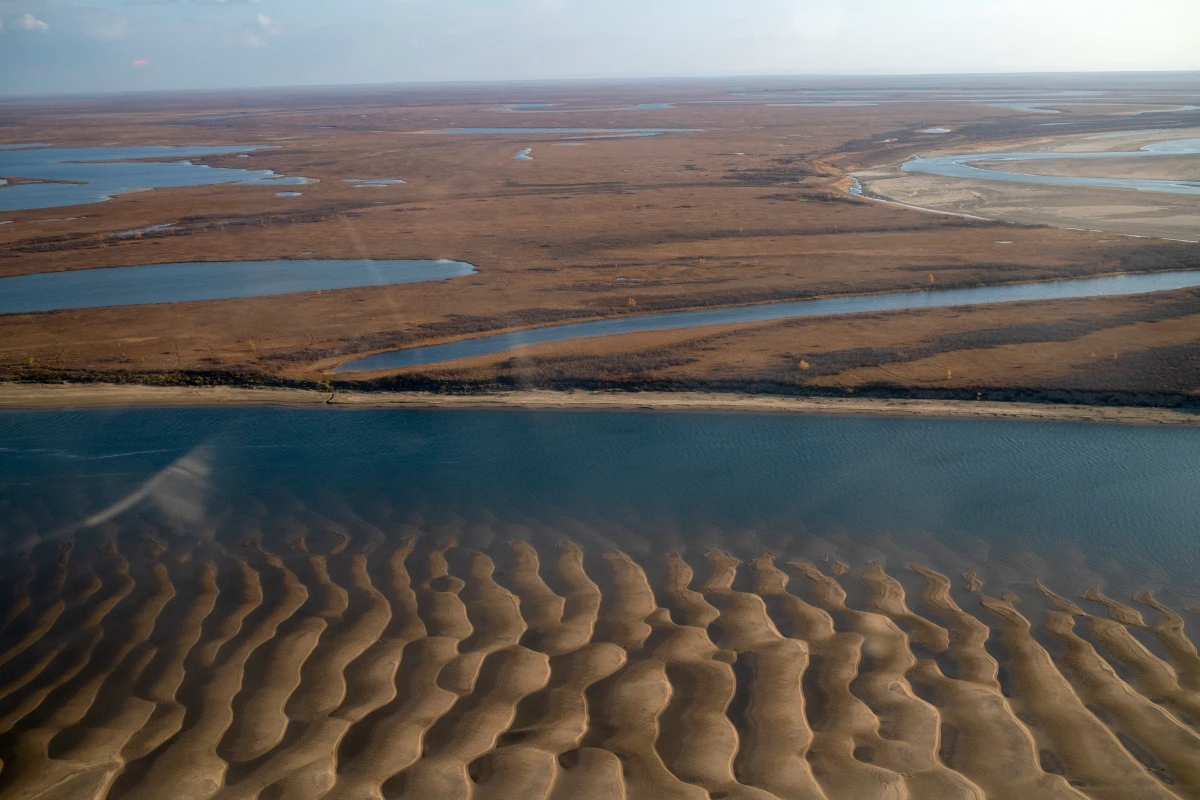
[{"x": 59, "y": 396}]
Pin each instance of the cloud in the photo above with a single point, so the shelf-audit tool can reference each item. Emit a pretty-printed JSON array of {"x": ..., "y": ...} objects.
[{"x": 25, "y": 22}]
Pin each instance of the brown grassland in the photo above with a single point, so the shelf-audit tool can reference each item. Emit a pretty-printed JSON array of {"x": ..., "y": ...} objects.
[{"x": 750, "y": 207}]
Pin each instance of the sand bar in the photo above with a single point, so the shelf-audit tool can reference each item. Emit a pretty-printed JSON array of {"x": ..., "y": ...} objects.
[
  {"x": 42, "y": 396},
  {"x": 418, "y": 669}
]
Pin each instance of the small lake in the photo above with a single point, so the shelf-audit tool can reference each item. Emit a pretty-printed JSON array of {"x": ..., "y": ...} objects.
[
  {"x": 1073, "y": 504},
  {"x": 81, "y": 175},
  {"x": 209, "y": 280},
  {"x": 959, "y": 166},
  {"x": 675, "y": 320}
]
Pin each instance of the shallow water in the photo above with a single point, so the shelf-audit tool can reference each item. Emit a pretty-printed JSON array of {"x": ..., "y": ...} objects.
[
  {"x": 428, "y": 604},
  {"x": 1049, "y": 290},
  {"x": 209, "y": 280},
  {"x": 100, "y": 173},
  {"x": 1101, "y": 502},
  {"x": 959, "y": 166}
]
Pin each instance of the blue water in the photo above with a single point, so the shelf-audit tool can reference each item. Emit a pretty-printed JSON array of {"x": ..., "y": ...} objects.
[
  {"x": 897, "y": 301},
  {"x": 209, "y": 280},
  {"x": 959, "y": 166},
  {"x": 1073, "y": 504},
  {"x": 100, "y": 173},
  {"x": 523, "y": 155}
]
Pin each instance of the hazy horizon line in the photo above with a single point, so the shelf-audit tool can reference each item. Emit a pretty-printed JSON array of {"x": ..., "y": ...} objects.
[{"x": 9, "y": 98}]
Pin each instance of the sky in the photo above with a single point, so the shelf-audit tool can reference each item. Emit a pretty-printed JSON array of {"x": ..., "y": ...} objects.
[{"x": 84, "y": 46}]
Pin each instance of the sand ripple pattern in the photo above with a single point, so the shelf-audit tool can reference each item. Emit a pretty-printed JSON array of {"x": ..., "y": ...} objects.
[{"x": 379, "y": 668}]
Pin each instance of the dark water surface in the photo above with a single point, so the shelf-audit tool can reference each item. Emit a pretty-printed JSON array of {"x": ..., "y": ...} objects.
[
  {"x": 1073, "y": 504},
  {"x": 895, "y": 301},
  {"x": 209, "y": 280}
]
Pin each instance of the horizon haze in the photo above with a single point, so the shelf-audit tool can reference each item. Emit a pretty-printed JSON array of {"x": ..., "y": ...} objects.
[{"x": 61, "y": 47}]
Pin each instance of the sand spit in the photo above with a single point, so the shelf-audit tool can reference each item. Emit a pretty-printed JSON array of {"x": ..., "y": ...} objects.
[
  {"x": 47, "y": 396},
  {"x": 420, "y": 669}
]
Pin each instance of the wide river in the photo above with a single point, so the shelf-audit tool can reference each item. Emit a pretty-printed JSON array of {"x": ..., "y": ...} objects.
[{"x": 1078, "y": 504}]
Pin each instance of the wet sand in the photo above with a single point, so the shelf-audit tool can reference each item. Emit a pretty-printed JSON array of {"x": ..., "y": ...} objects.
[
  {"x": 1123, "y": 212},
  {"x": 47, "y": 396},
  {"x": 141, "y": 666}
]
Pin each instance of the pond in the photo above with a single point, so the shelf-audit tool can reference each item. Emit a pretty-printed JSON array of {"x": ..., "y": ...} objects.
[{"x": 69, "y": 176}]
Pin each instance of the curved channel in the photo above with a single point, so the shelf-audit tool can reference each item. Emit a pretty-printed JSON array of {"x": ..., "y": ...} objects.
[
  {"x": 895, "y": 301},
  {"x": 209, "y": 280},
  {"x": 959, "y": 166}
]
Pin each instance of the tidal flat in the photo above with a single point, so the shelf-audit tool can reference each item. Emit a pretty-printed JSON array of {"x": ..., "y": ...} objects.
[{"x": 224, "y": 602}]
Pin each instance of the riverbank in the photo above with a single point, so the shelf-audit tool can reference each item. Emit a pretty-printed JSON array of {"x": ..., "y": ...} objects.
[{"x": 43, "y": 396}]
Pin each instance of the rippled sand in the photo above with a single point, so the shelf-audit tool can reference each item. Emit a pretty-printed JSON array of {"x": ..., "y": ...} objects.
[{"x": 420, "y": 669}]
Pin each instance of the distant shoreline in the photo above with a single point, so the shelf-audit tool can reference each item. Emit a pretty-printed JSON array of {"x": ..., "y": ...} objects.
[{"x": 40, "y": 396}]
